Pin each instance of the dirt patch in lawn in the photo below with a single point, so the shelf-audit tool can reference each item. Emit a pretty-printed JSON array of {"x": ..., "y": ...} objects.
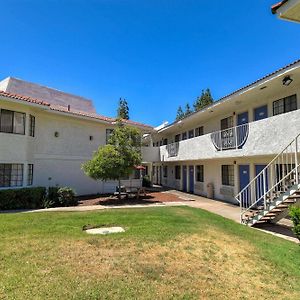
[
  {"x": 214, "y": 266},
  {"x": 150, "y": 198}
]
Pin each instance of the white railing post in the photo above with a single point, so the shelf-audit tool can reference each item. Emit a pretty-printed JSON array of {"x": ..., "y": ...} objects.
[
  {"x": 265, "y": 188},
  {"x": 241, "y": 208},
  {"x": 236, "y": 138}
]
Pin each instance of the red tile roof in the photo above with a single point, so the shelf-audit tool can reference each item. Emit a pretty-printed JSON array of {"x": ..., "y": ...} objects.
[
  {"x": 71, "y": 111},
  {"x": 277, "y": 6},
  {"x": 24, "y": 98},
  {"x": 80, "y": 113}
]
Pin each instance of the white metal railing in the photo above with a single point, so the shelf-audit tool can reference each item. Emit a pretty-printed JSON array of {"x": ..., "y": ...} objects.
[
  {"x": 275, "y": 179},
  {"x": 231, "y": 138},
  {"x": 172, "y": 149}
]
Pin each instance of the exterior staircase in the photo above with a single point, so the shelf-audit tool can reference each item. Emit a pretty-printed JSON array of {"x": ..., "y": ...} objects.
[{"x": 268, "y": 196}]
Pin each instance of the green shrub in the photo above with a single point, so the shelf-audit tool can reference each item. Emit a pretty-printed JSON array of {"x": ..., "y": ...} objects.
[
  {"x": 66, "y": 196},
  {"x": 146, "y": 181},
  {"x": 37, "y": 197},
  {"x": 295, "y": 216},
  {"x": 24, "y": 198},
  {"x": 52, "y": 197}
]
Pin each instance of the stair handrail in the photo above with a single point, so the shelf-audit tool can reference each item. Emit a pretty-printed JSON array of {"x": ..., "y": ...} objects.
[
  {"x": 263, "y": 173},
  {"x": 271, "y": 189}
]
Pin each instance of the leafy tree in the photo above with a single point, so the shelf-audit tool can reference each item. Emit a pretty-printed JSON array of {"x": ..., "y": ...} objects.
[
  {"x": 187, "y": 110},
  {"x": 117, "y": 159},
  {"x": 123, "y": 109},
  {"x": 180, "y": 113},
  {"x": 204, "y": 100}
]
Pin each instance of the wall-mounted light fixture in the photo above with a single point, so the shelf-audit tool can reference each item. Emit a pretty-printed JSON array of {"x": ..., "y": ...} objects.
[
  {"x": 56, "y": 134},
  {"x": 287, "y": 80}
]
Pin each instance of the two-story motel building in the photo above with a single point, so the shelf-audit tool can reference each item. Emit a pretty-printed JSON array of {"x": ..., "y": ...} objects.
[
  {"x": 228, "y": 143},
  {"x": 46, "y": 135}
]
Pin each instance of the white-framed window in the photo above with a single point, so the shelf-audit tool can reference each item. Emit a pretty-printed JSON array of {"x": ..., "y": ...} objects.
[
  {"x": 31, "y": 125},
  {"x": 183, "y": 136},
  {"x": 285, "y": 105},
  {"x": 228, "y": 175},
  {"x": 30, "y": 174},
  {"x": 200, "y": 173},
  {"x": 12, "y": 122},
  {"x": 11, "y": 175},
  {"x": 199, "y": 131},
  {"x": 191, "y": 134},
  {"x": 227, "y": 123}
]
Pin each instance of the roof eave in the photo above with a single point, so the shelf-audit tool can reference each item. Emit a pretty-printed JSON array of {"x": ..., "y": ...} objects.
[{"x": 238, "y": 92}]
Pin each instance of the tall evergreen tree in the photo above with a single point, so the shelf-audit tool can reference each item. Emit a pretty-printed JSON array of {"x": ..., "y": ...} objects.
[
  {"x": 180, "y": 113},
  {"x": 204, "y": 100},
  {"x": 123, "y": 109},
  {"x": 187, "y": 110}
]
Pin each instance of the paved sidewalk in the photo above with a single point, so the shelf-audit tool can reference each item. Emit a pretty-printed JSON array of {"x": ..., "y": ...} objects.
[
  {"x": 100, "y": 207},
  {"x": 224, "y": 209},
  {"x": 232, "y": 212}
]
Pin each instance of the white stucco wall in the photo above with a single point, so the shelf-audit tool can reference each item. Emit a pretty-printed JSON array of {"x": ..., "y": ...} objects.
[
  {"x": 150, "y": 154},
  {"x": 266, "y": 137},
  {"x": 57, "y": 160},
  {"x": 213, "y": 174}
]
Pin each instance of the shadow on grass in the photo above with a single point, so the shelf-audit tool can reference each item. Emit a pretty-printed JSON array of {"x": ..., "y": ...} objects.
[
  {"x": 276, "y": 229},
  {"x": 108, "y": 200}
]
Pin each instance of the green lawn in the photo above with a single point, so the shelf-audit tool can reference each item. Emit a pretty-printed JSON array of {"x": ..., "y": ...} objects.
[{"x": 165, "y": 253}]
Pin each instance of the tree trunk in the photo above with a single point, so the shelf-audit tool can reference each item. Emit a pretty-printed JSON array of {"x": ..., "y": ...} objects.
[{"x": 119, "y": 196}]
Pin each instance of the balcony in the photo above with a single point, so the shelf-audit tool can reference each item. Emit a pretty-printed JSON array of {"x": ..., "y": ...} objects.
[
  {"x": 231, "y": 138},
  {"x": 172, "y": 149},
  {"x": 259, "y": 138}
]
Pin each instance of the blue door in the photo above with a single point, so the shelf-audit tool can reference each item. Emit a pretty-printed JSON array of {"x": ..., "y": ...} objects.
[
  {"x": 184, "y": 178},
  {"x": 259, "y": 185},
  {"x": 191, "y": 179},
  {"x": 242, "y": 118},
  {"x": 260, "y": 112},
  {"x": 244, "y": 174}
]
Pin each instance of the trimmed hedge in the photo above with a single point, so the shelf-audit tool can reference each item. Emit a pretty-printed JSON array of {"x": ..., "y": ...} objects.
[
  {"x": 37, "y": 197},
  {"x": 24, "y": 198}
]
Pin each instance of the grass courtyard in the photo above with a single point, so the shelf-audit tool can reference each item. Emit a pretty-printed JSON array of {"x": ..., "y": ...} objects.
[{"x": 165, "y": 253}]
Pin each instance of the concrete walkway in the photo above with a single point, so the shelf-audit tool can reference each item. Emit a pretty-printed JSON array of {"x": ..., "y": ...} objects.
[
  {"x": 223, "y": 209},
  {"x": 229, "y": 211}
]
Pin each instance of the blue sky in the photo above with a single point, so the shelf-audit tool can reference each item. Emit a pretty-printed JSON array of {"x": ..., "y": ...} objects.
[{"x": 156, "y": 54}]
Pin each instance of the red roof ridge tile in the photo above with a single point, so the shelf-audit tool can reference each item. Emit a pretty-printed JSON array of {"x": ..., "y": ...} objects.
[
  {"x": 24, "y": 98},
  {"x": 64, "y": 109}
]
